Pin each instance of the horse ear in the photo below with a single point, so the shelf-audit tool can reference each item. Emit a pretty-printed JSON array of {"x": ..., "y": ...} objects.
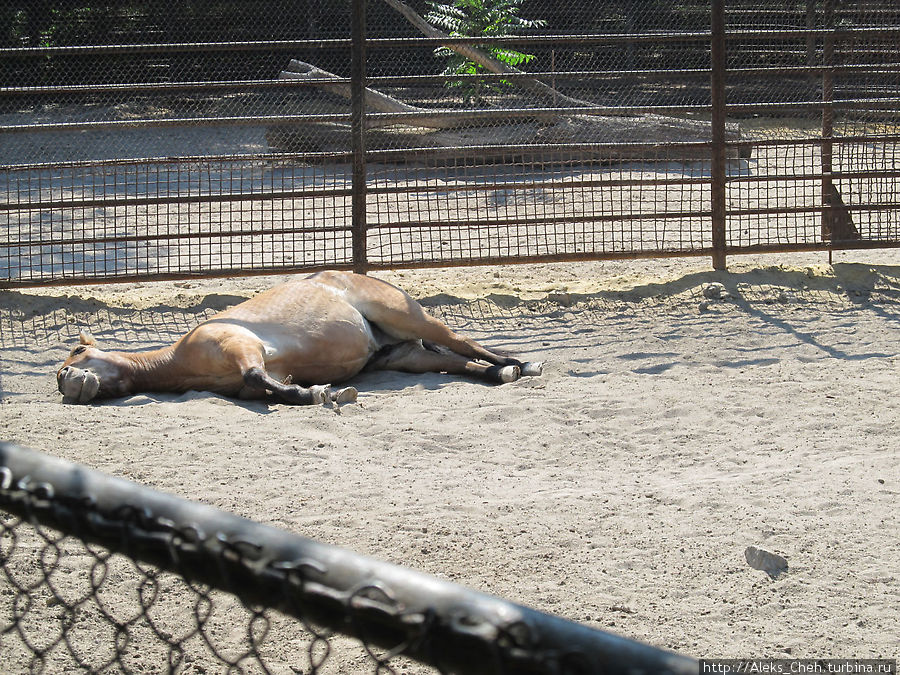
[{"x": 85, "y": 338}]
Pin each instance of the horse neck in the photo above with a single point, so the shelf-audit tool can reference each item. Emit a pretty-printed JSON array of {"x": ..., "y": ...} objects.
[{"x": 153, "y": 370}]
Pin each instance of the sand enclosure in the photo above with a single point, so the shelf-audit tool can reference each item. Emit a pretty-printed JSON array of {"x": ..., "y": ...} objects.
[{"x": 670, "y": 432}]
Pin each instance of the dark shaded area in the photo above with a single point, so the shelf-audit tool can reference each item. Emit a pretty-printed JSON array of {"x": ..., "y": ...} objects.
[{"x": 41, "y": 23}]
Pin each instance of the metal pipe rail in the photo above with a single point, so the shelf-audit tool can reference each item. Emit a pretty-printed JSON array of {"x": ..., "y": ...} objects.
[
  {"x": 435, "y": 621},
  {"x": 133, "y": 88},
  {"x": 890, "y": 32}
]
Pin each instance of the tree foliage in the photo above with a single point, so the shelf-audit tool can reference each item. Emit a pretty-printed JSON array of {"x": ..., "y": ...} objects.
[{"x": 477, "y": 18}]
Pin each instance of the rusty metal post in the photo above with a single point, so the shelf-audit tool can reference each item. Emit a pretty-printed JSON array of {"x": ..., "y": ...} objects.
[
  {"x": 828, "y": 126},
  {"x": 718, "y": 162},
  {"x": 811, "y": 38},
  {"x": 358, "y": 134}
]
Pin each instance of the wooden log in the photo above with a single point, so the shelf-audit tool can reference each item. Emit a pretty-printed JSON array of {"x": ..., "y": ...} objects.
[
  {"x": 429, "y": 128},
  {"x": 300, "y": 70},
  {"x": 376, "y": 100},
  {"x": 660, "y": 128},
  {"x": 562, "y": 126},
  {"x": 637, "y": 139}
]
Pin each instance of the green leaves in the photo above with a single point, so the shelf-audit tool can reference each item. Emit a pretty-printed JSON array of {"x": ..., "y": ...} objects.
[{"x": 477, "y": 18}]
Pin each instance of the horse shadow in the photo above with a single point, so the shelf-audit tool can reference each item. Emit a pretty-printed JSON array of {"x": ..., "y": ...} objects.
[{"x": 37, "y": 331}]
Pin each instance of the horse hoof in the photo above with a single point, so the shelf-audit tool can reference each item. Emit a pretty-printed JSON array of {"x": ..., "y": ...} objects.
[
  {"x": 321, "y": 393},
  {"x": 510, "y": 373},
  {"x": 345, "y": 395},
  {"x": 533, "y": 368}
]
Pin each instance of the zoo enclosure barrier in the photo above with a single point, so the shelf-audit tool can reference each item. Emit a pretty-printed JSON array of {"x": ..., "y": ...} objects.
[
  {"x": 90, "y": 564},
  {"x": 160, "y": 141}
]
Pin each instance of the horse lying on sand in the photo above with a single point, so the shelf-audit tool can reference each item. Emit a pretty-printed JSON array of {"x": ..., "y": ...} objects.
[{"x": 317, "y": 330}]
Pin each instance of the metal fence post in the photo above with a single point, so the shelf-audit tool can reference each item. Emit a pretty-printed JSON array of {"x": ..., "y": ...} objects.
[
  {"x": 811, "y": 38},
  {"x": 718, "y": 65},
  {"x": 827, "y": 126},
  {"x": 358, "y": 134}
]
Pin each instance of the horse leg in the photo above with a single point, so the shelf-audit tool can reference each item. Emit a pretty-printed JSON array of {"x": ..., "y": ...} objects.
[
  {"x": 432, "y": 330},
  {"x": 413, "y": 357},
  {"x": 401, "y": 317},
  {"x": 257, "y": 381}
]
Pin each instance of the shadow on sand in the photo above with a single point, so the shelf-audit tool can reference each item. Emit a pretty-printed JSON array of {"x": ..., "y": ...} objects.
[{"x": 36, "y": 331}]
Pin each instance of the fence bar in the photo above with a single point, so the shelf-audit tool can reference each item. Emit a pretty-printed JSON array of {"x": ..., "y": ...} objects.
[
  {"x": 370, "y": 120},
  {"x": 226, "y": 197},
  {"x": 335, "y": 157},
  {"x": 891, "y": 104},
  {"x": 764, "y": 35},
  {"x": 358, "y": 138},
  {"x": 295, "y": 45},
  {"x": 382, "y": 119},
  {"x": 441, "y": 623},
  {"x": 654, "y": 254},
  {"x": 810, "y": 39},
  {"x": 455, "y": 225},
  {"x": 177, "y": 236},
  {"x": 790, "y": 142},
  {"x": 828, "y": 127},
  {"x": 381, "y": 80},
  {"x": 718, "y": 166},
  {"x": 223, "y": 272},
  {"x": 735, "y": 249},
  {"x": 585, "y": 151},
  {"x": 168, "y": 47}
]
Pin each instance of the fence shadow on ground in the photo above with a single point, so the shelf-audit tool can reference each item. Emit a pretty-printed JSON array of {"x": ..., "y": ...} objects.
[
  {"x": 27, "y": 320},
  {"x": 37, "y": 331}
]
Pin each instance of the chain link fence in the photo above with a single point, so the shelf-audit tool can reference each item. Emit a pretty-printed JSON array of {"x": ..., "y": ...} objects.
[
  {"x": 146, "y": 140},
  {"x": 103, "y": 575},
  {"x": 817, "y": 93}
]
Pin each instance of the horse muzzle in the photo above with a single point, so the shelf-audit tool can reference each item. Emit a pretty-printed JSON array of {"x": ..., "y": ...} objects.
[{"x": 77, "y": 385}]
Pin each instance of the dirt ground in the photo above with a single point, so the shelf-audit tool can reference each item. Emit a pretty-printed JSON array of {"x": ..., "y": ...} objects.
[{"x": 669, "y": 432}]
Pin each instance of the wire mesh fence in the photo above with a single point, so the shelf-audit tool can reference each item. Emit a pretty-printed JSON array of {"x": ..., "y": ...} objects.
[
  {"x": 146, "y": 140},
  {"x": 820, "y": 115},
  {"x": 104, "y": 575}
]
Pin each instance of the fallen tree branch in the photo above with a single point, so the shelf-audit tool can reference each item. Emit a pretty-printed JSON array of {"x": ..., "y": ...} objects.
[
  {"x": 541, "y": 126},
  {"x": 376, "y": 100},
  {"x": 456, "y": 130},
  {"x": 300, "y": 70},
  {"x": 645, "y": 138}
]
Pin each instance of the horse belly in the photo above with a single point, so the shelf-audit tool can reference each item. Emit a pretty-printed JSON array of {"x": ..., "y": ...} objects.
[
  {"x": 308, "y": 330},
  {"x": 336, "y": 353}
]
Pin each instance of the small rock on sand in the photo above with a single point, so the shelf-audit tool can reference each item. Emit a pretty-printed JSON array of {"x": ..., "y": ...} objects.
[
  {"x": 715, "y": 291},
  {"x": 770, "y": 563}
]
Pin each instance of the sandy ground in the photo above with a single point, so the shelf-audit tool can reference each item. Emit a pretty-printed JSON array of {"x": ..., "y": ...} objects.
[{"x": 668, "y": 433}]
